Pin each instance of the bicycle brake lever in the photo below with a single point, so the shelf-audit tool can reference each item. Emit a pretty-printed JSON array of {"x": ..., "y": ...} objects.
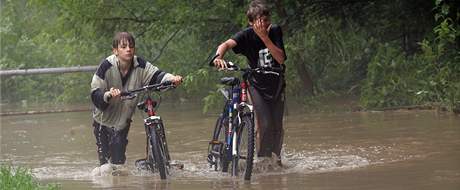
[
  {"x": 272, "y": 72},
  {"x": 128, "y": 96}
]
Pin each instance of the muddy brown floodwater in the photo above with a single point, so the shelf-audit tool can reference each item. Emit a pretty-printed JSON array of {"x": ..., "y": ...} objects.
[{"x": 337, "y": 150}]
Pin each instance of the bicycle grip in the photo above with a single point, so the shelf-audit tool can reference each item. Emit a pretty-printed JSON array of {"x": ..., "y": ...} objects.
[
  {"x": 211, "y": 63},
  {"x": 166, "y": 83}
]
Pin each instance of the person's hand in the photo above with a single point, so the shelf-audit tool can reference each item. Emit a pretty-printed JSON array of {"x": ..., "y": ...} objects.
[
  {"x": 220, "y": 63},
  {"x": 260, "y": 30},
  {"x": 114, "y": 92},
  {"x": 177, "y": 80}
]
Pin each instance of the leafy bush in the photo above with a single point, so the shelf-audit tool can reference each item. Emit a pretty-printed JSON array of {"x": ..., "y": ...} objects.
[{"x": 430, "y": 76}]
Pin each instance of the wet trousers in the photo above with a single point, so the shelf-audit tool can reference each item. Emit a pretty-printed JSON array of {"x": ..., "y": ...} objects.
[
  {"x": 269, "y": 123},
  {"x": 111, "y": 143}
]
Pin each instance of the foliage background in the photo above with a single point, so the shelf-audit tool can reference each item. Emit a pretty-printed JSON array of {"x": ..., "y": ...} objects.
[{"x": 386, "y": 53}]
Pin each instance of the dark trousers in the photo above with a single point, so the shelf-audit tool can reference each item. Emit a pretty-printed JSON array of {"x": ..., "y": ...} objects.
[
  {"x": 269, "y": 122},
  {"x": 111, "y": 143}
]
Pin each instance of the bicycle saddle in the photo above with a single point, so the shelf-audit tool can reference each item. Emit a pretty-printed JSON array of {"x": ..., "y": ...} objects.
[{"x": 230, "y": 81}]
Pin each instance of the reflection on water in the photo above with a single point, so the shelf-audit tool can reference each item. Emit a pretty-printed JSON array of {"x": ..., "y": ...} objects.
[{"x": 363, "y": 150}]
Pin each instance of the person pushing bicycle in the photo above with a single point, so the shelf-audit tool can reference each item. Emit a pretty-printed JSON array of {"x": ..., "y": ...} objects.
[
  {"x": 121, "y": 71},
  {"x": 262, "y": 44}
]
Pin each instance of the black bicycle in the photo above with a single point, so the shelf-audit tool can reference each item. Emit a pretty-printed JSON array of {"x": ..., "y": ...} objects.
[
  {"x": 157, "y": 154},
  {"x": 233, "y": 138}
]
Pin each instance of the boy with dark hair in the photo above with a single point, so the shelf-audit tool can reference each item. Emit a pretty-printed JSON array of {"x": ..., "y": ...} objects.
[
  {"x": 262, "y": 44},
  {"x": 121, "y": 71}
]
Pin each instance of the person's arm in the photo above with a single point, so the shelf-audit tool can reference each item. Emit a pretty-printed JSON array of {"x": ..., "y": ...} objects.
[
  {"x": 175, "y": 79},
  {"x": 277, "y": 53},
  {"x": 153, "y": 75},
  {"x": 99, "y": 95},
  {"x": 221, "y": 50}
]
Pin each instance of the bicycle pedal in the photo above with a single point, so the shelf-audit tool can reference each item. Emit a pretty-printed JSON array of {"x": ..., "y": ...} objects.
[
  {"x": 215, "y": 142},
  {"x": 210, "y": 158}
]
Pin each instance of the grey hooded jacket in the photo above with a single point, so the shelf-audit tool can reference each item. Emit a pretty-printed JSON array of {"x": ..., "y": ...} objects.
[{"x": 114, "y": 112}]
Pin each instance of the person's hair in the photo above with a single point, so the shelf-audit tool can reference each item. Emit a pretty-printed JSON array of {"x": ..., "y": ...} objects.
[
  {"x": 257, "y": 8},
  {"x": 121, "y": 36}
]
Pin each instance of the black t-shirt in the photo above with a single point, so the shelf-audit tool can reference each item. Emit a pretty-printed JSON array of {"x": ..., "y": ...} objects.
[{"x": 258, "y": 55}]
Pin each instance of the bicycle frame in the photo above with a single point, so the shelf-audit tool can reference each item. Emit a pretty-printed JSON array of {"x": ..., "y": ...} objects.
[
  {"x": 237, "y": 103},
  {"x": 154, "y": 122},
  {"x": 156, "y": 147},
  {"x": 239, "y": 113}
]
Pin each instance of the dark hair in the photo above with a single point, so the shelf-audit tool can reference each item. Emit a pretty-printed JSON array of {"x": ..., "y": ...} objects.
[
  {"x": 121, "y": 36},
  {"x": 257, "y": 8}
]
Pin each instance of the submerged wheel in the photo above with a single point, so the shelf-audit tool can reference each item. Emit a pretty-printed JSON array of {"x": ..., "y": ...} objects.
[
  {"x": 245, "y": 148},
  {"x": 215, "y": 146},
  {"x": 220, "y": 135},
  {"x": 159, "y": 154}
]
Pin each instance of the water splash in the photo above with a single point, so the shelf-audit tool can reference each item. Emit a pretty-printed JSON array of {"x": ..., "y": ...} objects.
[{"x": 196, "y": 165}]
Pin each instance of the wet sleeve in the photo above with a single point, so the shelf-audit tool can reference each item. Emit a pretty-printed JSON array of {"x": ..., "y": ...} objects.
[
  {"x": 240, "y": 39},
  {"x": 99, "y": 97},
  {"x": 99, "y": 92},
  {"x": 153, "y": 75}
]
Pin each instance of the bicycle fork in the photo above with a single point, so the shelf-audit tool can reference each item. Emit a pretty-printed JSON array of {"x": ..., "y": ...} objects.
[{"x": 156, "y": 123}]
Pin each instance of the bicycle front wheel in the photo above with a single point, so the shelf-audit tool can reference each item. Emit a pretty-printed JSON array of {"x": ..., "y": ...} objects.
[
  {"x": 244, "y": 159},
  {"x": 159, "y": 152}
]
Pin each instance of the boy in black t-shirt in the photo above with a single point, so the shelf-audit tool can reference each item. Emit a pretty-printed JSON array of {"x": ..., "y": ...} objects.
[{"x": 262, "y": 44}]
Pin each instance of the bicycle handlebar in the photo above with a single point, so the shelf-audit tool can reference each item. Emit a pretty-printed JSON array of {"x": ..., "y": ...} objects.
[
  {"x": 232, "y": 67},
  {"x": 153, "y": 87},
  {"x": 211, "y": 63}
]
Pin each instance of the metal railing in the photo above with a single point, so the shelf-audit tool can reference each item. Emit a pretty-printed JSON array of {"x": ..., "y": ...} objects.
[
  {"x": 58, "y": 70},
  {"x": 48, "y": 70}
]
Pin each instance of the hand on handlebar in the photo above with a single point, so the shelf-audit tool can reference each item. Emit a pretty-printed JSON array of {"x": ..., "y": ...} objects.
[
  {"x": 114, "y": 92},
  {"x": 220, "y": 63},
  {"x": 177, "y": 80}
]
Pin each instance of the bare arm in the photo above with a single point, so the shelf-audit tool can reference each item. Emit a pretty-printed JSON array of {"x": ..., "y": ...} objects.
[
  {"x": 276, "y": 52},
  {"x": 221, "y": 50}
]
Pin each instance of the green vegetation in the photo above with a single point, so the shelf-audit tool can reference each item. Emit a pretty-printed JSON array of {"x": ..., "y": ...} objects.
[
  {"x": 387, "y": 53},
  {"x": 429, "y": 76},
  {"x": 20, "y": 178}
]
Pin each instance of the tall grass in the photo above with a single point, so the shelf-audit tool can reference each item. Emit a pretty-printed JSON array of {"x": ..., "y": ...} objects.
[{"x": 20, "y": 178}]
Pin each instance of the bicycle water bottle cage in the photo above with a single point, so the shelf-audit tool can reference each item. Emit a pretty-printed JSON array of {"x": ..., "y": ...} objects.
[{"x": 230, "y": 81}]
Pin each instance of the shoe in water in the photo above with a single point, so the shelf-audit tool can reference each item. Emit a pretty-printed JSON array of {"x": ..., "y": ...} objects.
[
  {"x": 96, "y": 171},
  {"x": 119, "y": 170},
  {"x": 106, "y": 169},
  {"x": 277, "y": 160}
]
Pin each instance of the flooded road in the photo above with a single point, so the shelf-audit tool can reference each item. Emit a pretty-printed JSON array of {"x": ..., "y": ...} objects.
[{"x": 359, "y": 150}]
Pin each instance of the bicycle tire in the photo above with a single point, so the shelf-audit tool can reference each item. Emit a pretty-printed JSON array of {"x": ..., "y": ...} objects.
[
  {"x": 158, "y": 152},
  {"x": 165, "y": 145},
  {"x": 215, "y": 146},
  {"x": 245, "y": 149},
  {"x": 220, "y": 135}
]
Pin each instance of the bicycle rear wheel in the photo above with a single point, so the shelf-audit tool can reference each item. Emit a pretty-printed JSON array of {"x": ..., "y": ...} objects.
[
  {"x": 245, "y": 148},
  {"x": 158, "y": 151},
  {"x": 217, "y": 152}
]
